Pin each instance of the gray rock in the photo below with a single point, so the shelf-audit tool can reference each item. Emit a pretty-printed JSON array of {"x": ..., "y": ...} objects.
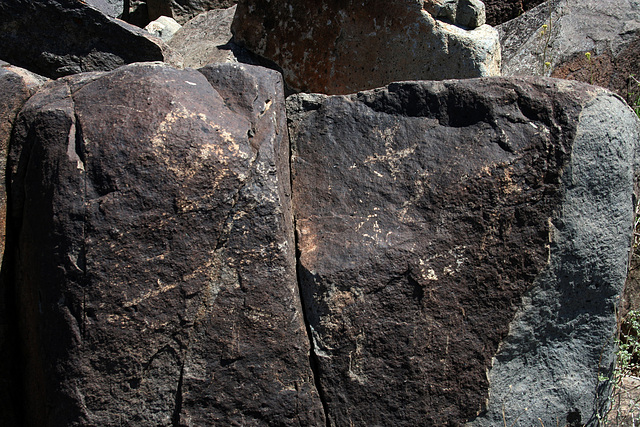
[
  {"x": 345, "y": 47},
  {"x": 163, "y": 28},
  {"x": 466, "y": 13},
  {"x": 445, "y": 228},
  {"x": 206, "y": 39},
  {"x": 156, "y": 274},
  {"x": 608, "y": 29},
  {"x": 112, "y": 8},
  {"x": 184, "y": 10},
  {"x": 561, "y": 339},
  {"x": 62, "y": 37}
]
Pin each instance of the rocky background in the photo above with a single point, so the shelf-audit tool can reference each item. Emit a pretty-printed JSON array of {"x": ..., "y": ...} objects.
[{"x": 265, "y": 213}]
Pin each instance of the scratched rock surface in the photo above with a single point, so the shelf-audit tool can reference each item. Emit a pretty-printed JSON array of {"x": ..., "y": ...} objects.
[
  {"x": 155, "y": 266},
  {"x": 56, "y": 38},
  {"x": 425, "y": 212},
  {"x": 16, "y": 86},
  {"x": 340, "y": 47}
]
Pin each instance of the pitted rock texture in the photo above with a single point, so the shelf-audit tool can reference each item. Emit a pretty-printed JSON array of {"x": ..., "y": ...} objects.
[
  {"x": 500, "y": 11},
  {"x": 340, "y": 47},
  {"x": 32, "y": 36},
  {"x": 425, "y": 211},
  {"x": 608, "y": 29},
  {"x": 16, "y": 86},
  {"x": 155, "y": 264}
]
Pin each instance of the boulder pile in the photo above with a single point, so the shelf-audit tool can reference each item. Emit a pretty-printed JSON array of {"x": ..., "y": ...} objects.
[{"x": 334, "y": 215}]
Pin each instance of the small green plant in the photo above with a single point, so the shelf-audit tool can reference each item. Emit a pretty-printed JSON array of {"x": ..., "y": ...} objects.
[
  {"x": 634, "y": 94},
  {"x": 546, "y": 36},
  {"x": 588, "y": 55}
]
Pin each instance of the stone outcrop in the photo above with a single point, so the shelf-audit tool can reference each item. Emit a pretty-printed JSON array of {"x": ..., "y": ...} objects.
[
  {"x": 184, "y": 10},
  {"x": 466, "y": 13},
  {"x": 31, "y": 37},
  {"x": 155, "y": 260},
  {"x": 447, "y": 230},
  {"x": 343, "y": 47},
  {"x": 112, "y": 8},
  {"x": 608, "y": 29}
]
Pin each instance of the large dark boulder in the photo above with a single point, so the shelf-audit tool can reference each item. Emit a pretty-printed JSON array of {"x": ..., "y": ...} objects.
[
  {"x": 462, "y": 248},
  {"x": 155, "y": 260},
  {"x": 501, "y": 11},
  {"x": 55, "y": 38}
]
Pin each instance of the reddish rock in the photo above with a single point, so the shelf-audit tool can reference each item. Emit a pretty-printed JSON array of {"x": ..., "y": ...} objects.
[
  {"x": 344, "y": 47},
  {"x": 501, "y": 11}
]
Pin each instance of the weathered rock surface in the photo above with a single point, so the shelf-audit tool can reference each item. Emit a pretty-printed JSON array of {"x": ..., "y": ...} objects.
[
  {"x": 343, "y": 47},
  {"x": 184, "y": 10},
  {"x": 155, "y": 265},
  {"x": 466, "y": 13},
  {"x": 31, "y": 36},
  {"x": 500, "y": 11},
  {"x": 206, "y": 39},
  {"x": 164, "y": 28},
  {"x": 16, "y": 86},
  {"x": 112, "y": 8},
  {"x": 608, "y": 29},
  {"x": 448, "y": 227}
]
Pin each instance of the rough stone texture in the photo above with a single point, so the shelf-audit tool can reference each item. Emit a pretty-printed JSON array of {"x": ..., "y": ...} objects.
[
  {"x": 340, "y": 47},
  {"x": 155, "y": 261},
  {"x": 16, "y": 86},
  {"x": 112, "y": 8},
  {"x": 163, "y": 28},
  {"x": 206, "y": 39},
  {"x": 60, "y": 37},
  {"x": 608, "y": 29},
  {"x": 184, "y": 10},
  {"x": 425, "y": 213},
  {"x": 500, "y": 11},
  {"x": 466, "y": 13}
]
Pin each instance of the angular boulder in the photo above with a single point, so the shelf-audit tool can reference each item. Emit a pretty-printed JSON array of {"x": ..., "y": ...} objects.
[
  {"x": 184, "y": 10},
  {"x": 344, "y": 47},
  {"x": 608, "y": 29},
  {"x": 458, "y": 238},
  {"x": 16, "y": 86},
  {"x": 206, "y": 39},
  {"x": 62, "y": 37},
  {"x": 164, "y": 28},
  {"x": 155, "y": 260}
]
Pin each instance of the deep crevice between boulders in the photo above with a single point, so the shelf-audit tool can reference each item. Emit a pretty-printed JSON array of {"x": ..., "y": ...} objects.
[{"x": 314, "y": 364}]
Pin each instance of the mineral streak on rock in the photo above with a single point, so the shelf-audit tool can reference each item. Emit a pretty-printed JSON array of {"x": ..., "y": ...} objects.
[{"x": 155, "y": 261}]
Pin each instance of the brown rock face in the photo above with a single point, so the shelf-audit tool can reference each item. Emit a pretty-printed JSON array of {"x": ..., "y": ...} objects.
[
  {"x": 423, "y": 215},
  {"x": 339, "y": 47},
  {"x": 155, "y": 260}
]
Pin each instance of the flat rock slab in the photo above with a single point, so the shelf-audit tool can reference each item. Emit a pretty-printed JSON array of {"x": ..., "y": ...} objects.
[
  {"x": 63, "y": 37},
  {"x": 339, "y": 47},
  {"x": 425, "y": 213},
  {"x": 155, "y": 266}
]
